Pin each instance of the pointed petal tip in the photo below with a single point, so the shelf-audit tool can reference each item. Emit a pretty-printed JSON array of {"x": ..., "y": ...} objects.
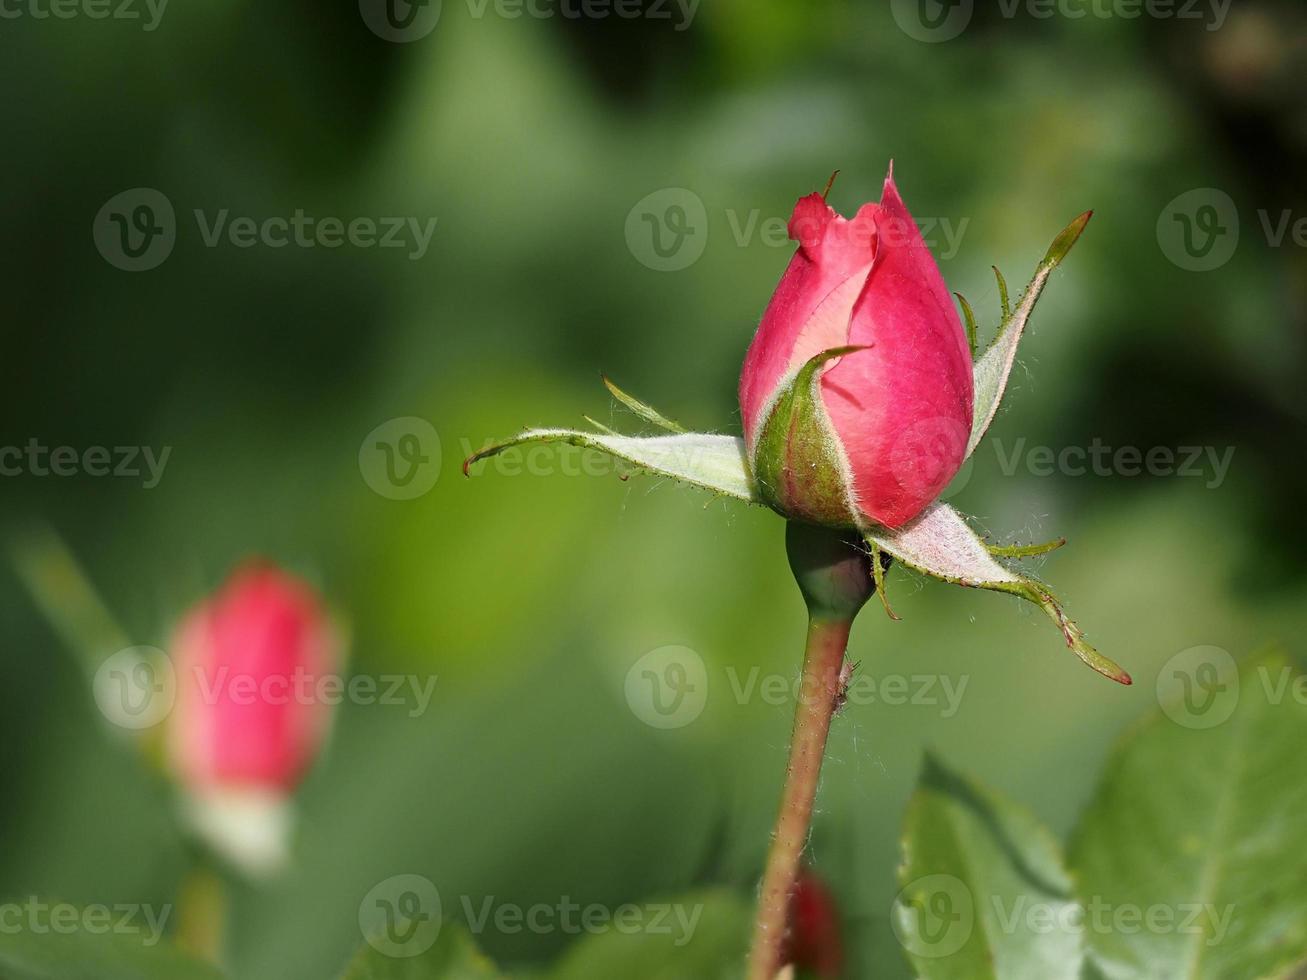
[{"x": 890, "y": 188}]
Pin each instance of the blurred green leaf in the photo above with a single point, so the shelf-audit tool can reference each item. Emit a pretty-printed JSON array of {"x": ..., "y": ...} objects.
[
  {"x": 453, "y": 956},
  {"x": 1192, "y": 858},
  {"x": 984, "y": 892},
  {"x": 47, "y": 952},
  {"x": 704, "y": 935}
]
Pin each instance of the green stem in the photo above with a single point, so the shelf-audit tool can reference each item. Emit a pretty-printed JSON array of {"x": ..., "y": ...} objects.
[
  {"x": 833, "y": 571},
  {"x": 203, "y": 912}
]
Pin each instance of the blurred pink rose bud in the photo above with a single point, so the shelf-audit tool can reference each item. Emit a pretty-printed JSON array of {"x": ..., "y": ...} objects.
[
  {"x": 876, "y": 431},
  {"x": 813, "y": 944},
  {"x": 250, "y": 715}
]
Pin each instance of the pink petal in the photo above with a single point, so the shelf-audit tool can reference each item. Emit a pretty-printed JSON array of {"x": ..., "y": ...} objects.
[
  {"x": 810, "y": 309},
  {"x": 902, "y": 408}
]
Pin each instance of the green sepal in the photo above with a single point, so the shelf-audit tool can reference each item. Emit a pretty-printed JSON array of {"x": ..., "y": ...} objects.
[
  {"x": 970, "y": 315},
  {"x": 1005, "y": 304},
  {"x": 702, "y": 459},
  {"x": 992, "y": 368},
  {"x": 797, "y": 464},
  {"x": 642, "y": 409},
  {"x": 1025, "y": 550},
  {"x": 939, "y": 543}
]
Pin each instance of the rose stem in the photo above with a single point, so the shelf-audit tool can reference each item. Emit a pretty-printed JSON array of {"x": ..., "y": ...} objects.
[{"x": 834, "y": 574}]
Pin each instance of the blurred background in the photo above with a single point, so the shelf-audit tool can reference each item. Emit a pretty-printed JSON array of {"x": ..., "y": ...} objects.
[{"x": 575, "y": 194}]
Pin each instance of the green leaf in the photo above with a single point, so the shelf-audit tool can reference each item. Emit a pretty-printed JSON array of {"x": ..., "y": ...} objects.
[
  {"x": 452, "y": 956},
  {"x": 983, "y": 890},
  {"x": 41, "y": 949},
  {"x": 993, "y": 367},
  {"x": 939, "y": 543},
  {"x": 1201, "y": 823},
  {"x": 704, "y": 935},
  {"x": 711, "y": 462}
]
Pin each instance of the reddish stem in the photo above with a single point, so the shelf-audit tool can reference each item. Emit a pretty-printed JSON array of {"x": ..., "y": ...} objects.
[{"x": 819, "y": 693}]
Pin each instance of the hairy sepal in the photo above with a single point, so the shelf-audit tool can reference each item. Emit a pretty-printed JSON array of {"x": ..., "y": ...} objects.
[
  {"x": 711, "y": 462},
  {"x": 798, "y": 463},
  {"x": 992, "y": 368},
  {"x": 940, "y": 543}
]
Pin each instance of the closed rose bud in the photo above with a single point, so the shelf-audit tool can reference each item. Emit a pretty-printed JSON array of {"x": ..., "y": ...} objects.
[
  {"x": 856, "y": 392},
  {"x": 813, "y": 943},
  {"x": 249, "y": 717}
]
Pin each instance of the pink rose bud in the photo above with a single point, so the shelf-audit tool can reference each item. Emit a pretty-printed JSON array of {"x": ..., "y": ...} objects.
[
  {"x": 250, "y": 715},
  {"x": 856, "y": 392},
  {"x": 813, "y": 944}
]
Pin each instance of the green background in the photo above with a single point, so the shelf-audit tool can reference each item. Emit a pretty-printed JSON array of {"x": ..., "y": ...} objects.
[{"x": 531, "y": 140}]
